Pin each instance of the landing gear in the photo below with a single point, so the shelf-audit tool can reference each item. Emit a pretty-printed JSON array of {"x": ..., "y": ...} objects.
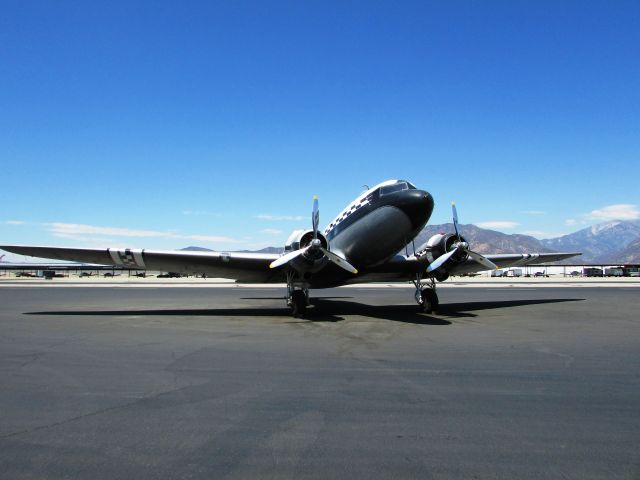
[
  {"x": 299, "y": 302},
  {"x": 297, "y": 298},
  {"x": 429, "y": 300},
  {"x": 426, "y": 296}
]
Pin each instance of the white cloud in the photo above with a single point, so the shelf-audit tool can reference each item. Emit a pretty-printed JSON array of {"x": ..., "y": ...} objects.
[
  {"x": 14, "y": 222},
  {"x": 74, "y": 230},
  {"x": 570, "y": 221},
  {"x": 534, "y": 212},
  {"x": 79, "y": 229},
  {"x": 205, "y": 213},
  {"x": 542, "y": 234},
  {"x": 497, "y": 224},
  {"x": 623, "y": 211},
  {"x": 279, "y": 218},
  {"x": 92, "y": 241},
  {"x": 205, "y": 238},
  {"x": 271, "y": 231}
]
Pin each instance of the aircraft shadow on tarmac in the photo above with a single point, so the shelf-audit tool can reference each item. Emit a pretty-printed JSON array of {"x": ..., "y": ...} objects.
[{"x": 330, "y": 309}]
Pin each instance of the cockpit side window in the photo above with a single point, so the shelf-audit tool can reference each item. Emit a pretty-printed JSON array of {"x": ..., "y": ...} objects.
[{"x": 396, "y": 187}]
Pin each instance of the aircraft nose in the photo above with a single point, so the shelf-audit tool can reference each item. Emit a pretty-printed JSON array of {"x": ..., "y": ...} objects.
[{"x": 417, "y": 205}]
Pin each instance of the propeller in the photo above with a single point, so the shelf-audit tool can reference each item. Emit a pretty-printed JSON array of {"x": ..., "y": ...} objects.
[
  {"x": 460, "y": 247},
  {"x": 441, "y": 260},
  {"x": 315, "y": 246}
]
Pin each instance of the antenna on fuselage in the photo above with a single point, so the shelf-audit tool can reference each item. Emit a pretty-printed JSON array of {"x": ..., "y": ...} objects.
[{"x": 366, "y": 187}]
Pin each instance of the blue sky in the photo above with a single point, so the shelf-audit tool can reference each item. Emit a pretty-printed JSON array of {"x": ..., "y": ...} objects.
[{"x": 167, "y": 124}]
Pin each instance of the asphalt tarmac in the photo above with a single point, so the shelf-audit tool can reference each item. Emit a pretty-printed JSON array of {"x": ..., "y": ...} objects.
[{"x": 188, "y": 383}]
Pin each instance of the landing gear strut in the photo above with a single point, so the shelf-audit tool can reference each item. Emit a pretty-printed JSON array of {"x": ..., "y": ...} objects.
[
  {"x": 426, "y": 296},
  {"x": 297, "y": 298},
  {"x": 298, "y": 302}
]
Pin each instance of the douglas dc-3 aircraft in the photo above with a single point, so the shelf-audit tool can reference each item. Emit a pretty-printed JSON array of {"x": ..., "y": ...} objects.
[{"x": 360, "y": 245}]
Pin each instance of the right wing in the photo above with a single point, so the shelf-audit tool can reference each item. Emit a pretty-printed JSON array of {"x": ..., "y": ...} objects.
[
  {"x": 402, "y": 267},
  {"x": 505, "y": 260},
  {"x": 243, "y": 267}
]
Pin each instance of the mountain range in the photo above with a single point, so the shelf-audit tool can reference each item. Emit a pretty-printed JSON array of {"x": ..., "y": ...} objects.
[
  {"x": 608, "y": 242},
  {"x": 611, "y": 242}
]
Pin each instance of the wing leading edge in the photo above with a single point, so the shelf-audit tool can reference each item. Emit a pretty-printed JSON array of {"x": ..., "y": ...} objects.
[
  {"x": 505, "y": 260},
  {"x": 240, "y": 266}
]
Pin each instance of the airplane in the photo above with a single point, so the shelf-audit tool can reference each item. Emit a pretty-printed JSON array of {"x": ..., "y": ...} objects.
[{"x": 360, "y": 245}]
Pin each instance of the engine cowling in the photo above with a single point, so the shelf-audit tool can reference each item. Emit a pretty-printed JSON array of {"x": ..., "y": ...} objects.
[
  {"x": 309, "y": 262},
  {"x": 438, "y": 245},
  {"x": 302, "y": 238}
]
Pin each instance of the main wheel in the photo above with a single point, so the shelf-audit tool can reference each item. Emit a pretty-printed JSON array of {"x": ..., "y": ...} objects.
[
  {"x": 429, "y": 300},
  {"x": 298, "y": 303}
]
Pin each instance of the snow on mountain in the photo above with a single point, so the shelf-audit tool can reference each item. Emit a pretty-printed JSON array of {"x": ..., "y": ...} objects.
[{"x": 599, "y": 243}]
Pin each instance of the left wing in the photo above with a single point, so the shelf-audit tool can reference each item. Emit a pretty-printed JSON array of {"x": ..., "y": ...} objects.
[{"x": 243, "y": 267}]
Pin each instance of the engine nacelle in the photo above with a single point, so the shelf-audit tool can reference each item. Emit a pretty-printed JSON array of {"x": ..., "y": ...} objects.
[
  {"x": 441, "y": 243},
  {"x": 438, "y": 245},
  {"x": 309, "y": 262}
]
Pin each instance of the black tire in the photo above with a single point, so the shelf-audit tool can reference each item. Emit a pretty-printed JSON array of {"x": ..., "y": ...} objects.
[
  {"x": 298, "y": 303},
  {"x": 429, "y": 301}
]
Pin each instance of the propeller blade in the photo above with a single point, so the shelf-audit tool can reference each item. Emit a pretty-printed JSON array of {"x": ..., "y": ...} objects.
[
  {"x": 461, "y": 246},
  {"x": 338, "y": 260},
  {"x": 315, "y": 217},
  {"x": 455, "y": 218},
  {"x": 287, "y": 258},
  {"x": 438, "y": 262},
  {"x": 485, "y": 262},
  {"x": 314, "y": 246}
]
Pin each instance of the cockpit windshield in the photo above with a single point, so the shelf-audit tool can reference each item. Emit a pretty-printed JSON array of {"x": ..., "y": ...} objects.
[{"x": 396, "y": 187}]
